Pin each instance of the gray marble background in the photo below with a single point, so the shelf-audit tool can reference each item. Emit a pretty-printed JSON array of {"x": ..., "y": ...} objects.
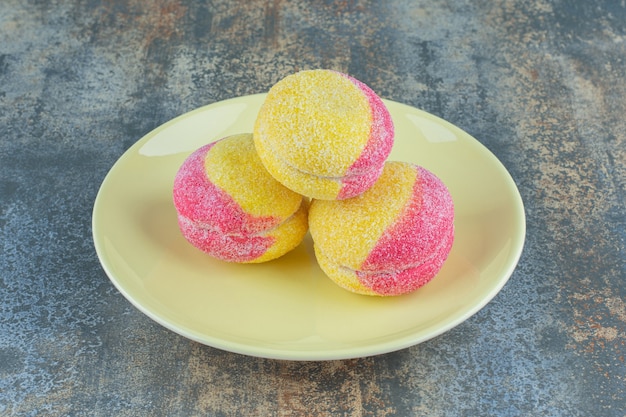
[{"x": 541, "y": 83}]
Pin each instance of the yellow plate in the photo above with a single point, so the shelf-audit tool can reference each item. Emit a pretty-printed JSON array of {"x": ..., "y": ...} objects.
[{"x": 287, "y": 308}]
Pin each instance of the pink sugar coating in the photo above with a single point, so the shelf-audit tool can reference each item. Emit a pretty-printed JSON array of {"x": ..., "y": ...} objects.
[
  {"x": 199, "y": 200},
  {"x": 407, "y": 280},
  {"x": 211, "y": 220},
  {"x": 414, "y": 248},
  {"x": 354, "y": 185},
  {"x": 231, "y": 248},
  {"x": 367, "y": 168}
]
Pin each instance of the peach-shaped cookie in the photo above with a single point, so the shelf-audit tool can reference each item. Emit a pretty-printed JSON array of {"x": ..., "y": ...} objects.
[
  {"x": 230, "y": 207},
  {"x": 390, "y": 240},
  {"x": 323, "y": 134}
]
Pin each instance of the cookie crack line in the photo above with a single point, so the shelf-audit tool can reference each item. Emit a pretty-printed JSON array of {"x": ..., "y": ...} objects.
[
  {"x": 386, "y": 271},
  {"x": 428, "y": 259},
  {"x": 260, "y": 233},
  {"x": 350, "y": 172}
]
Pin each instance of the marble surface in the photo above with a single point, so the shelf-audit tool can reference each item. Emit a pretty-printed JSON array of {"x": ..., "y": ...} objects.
[{"x": 542, "y": 84}]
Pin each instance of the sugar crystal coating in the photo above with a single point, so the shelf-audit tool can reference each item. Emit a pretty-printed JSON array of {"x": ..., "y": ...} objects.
[
  {"x": 230, "y": 207},
  {"x": 390, "y": 240},
  {"x": 323, "y": 134}
]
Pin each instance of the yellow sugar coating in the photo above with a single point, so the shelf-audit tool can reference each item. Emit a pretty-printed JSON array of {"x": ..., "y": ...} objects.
[
  {"x": 287, "y": 235},
  {"x": 317, "y": 121},
  {"x": 342, "y": 276},
  {"x": 346, "y": 231},
  {"x": 303, "y": 183},
  {"x": 234, "y": 165}
]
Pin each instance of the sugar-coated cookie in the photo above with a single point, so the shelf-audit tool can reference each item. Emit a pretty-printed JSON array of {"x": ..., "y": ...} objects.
[
  {"x": 390, "y": 240},
  {"x": 230, "y": 207},
  {"x": 323, "y": 134}
]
